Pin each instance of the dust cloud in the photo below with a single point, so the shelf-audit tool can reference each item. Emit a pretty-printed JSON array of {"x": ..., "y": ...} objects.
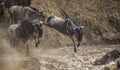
[{"x": 10, "y": 59}]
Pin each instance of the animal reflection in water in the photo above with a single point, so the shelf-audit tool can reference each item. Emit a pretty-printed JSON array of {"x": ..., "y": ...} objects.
[
  {"x": 23, "y": 31},
  {"x": 66, "y": 26}
]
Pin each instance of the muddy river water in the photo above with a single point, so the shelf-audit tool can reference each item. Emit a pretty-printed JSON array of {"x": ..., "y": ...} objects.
[{"x": 61, "y": 58}]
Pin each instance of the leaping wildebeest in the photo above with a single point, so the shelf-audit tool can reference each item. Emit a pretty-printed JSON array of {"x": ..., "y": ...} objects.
[
  {"x": 23, "y": 31},
  {"x": 19, "y": 12},
  {"x": 66, "y": 26}
]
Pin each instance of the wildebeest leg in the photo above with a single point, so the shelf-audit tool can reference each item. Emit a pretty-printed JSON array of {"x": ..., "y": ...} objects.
[
  {"x": 75, "y": 49},
  {"x": 27, "y": 50},
  {"x": 38, "y": 41},
  {"x": 78, "y": 44},
  {"x": 15, "y": 1},
  {"x": 79, "y": 35},
  {"x": 9, "y": 20},
  {"x": 36, "y": 44},
  {"x": 12, "y": 18},
  {"x": 39, "y": 34},
  {"x": 13, "y": 42}
]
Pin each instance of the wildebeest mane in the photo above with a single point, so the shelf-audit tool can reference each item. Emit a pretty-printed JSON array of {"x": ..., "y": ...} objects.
[{"x": 67, "y": 16}]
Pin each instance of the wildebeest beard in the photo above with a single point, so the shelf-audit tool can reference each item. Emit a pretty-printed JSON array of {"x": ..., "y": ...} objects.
[{"x": 24, "y": 29}]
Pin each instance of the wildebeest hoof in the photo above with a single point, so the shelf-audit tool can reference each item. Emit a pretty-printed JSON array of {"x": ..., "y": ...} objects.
[
  {"x": 78, "y": 45},
  {"x": 36, "y": 45},
  {"x": 75, "y": 50}
]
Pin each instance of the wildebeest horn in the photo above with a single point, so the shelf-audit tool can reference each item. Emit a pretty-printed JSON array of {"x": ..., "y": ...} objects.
[{"x": 64, "y": 13}]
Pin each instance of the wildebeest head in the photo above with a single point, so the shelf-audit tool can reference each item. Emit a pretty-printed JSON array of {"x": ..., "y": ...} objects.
[
  {"x": 73, "y": 27},
  {"x": 37, "y": 16},
  {"x": 37, "y": 27}
]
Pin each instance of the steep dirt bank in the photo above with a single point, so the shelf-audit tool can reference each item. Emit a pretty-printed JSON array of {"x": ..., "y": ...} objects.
[
  {"x": 100, "y": 18},
  {"x": 14, "y": 58}
]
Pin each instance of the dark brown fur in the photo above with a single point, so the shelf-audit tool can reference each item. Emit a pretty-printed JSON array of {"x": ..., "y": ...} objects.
[{"x": 24, "y": 31}]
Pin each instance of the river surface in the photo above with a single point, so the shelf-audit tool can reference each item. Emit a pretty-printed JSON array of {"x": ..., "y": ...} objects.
[{"x": 43, "y": 58}]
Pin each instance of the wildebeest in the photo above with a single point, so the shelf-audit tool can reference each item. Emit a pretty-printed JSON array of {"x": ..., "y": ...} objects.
[
  {"x": 23, "y": 31},
  {"x": 18, "y": 12},
  {"x": 9, "y": 3},
  {"x": 66, "y": 26},
  {"x": 108, "y": 57}
]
